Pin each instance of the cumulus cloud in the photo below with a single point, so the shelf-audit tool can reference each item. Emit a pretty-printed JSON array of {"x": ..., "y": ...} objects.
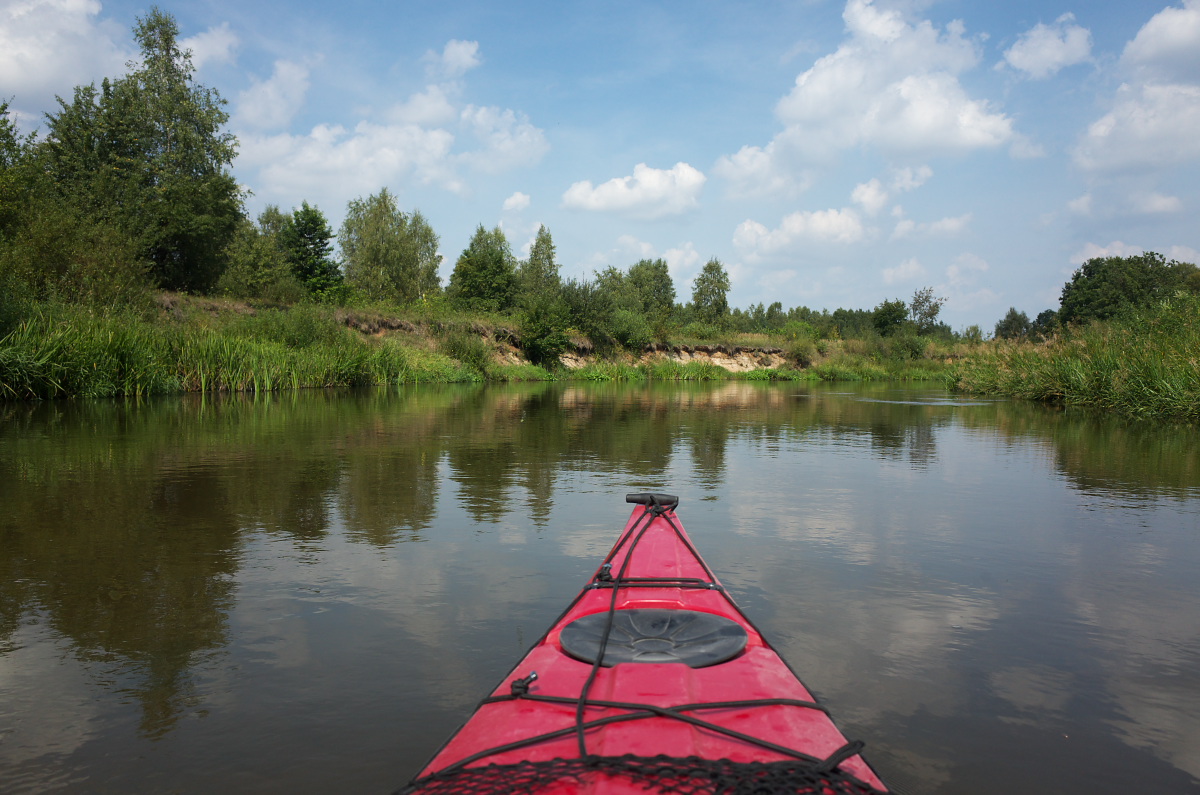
[
  {"x": 649, "y": 193},
  {"x": 870, "y": 196},
  {"x": 1044, "y": 50},
  {"x": 822, "y": 226},
  {"x": 507, "y": 139},
  {"x": 1155, "y": 113},
  {"x": 272, "y": 103},
  {"x": 215, "y": 45},
  {"x": 431, "y": 107},
  {"x": 873, "y": 195},
  {"x": 1149, "y": 126},
  {"x": 455, "y": 60},
  {"x": 430, "y": 138},
  {"x": 517, "y": 202},
  {"x": 906, "y": 271},
  {"x": 893, "y": 84},
  {"x": 1168, "y": 46},
  {"x": 756, "y": 171},
  {"x": 355, "y": 161},
  {"x": 49, "y": 46}
]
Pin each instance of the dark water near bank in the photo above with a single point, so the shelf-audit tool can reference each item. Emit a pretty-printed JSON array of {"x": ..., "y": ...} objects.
[{"x": 307, "y": 592}]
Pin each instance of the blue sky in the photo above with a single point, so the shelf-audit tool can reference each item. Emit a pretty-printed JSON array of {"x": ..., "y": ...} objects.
[{"x": 829, "y": 153}]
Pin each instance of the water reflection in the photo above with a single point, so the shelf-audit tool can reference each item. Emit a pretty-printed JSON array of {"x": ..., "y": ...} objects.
[{"x": 947, "y": 573}]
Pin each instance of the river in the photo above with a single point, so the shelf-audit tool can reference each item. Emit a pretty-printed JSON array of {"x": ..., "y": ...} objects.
[{"x": 308, "y": 591}]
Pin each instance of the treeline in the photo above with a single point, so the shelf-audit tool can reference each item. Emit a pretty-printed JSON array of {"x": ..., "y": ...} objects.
[
  {"x": 131, "y": 189},
  {"x": 1102, "y": 289}
]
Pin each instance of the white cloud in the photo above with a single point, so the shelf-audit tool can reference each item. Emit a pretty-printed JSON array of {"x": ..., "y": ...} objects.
[
  {"x": 909, "y": 179},
  {"x": 1113, "y": 249},
  {"x": 272, "y": 103},
  {"x": 431, "y": 107},
  {"x": 455, "y": 60},
  {"x": 649, "y": 193},
  {"x": 870, "y": 196},
  {"x": 517, "y": 202},
  {"x": 215, "y": 45},
  {"x": 906, "y": 271},
  {"x": 1168, "y": 46},
  {"x": 822, "y": 226},
  {"x": 333, "y": 161},
  {"x": 943, "y": 227},
  {"x": 1150, "y": 126},
  {"x": 893, "y": 84},
  {"x": 1045, "y": 49},
  {"x": 1155, "y": 114},
  {"x": 1081, "y": 205},
  {"x": 683, "y": 259},
  {"x": 427, "y": 139},
  {"x": 508, "y": 139},
  {"x": 1156, "y": 204},
  {"x": 755, "y": 171},
  {"x": 49, "y": 46},
  {"x": 1183, "y": 254}
]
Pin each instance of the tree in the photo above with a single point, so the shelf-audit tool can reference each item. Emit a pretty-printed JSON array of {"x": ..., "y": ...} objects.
[
  {"x": 545, "y": 317},
  {"x": 651, "y": 280},
  {"x": 1108, "y": 286},
  {"x": 14, "y": 151},
  {"x": 710, "y": 291},
  {"x": 539, "y": 273},
  {"x": 148, "y": 152},
  {"x": 387, "y": 253},
  {"x": 1013, "y": 325},
  {"x": 924, "y": 309},
  {"x": 1045, "y": 324},
  {"x": 258, "y": 267},
  {"x": 889, "y": 317},
  {"x": 484, "y": 277},
  {"x": 304, "y": 240}
]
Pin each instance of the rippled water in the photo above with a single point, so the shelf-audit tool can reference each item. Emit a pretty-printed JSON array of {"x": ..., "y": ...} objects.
[{"x": 308, "y": 592}]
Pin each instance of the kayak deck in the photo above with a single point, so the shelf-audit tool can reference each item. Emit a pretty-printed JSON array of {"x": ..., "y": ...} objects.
[{"x": 651, "y": 680}]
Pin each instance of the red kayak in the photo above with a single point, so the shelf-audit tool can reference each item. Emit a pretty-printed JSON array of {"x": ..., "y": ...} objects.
[{"x": 652, "y": 680}]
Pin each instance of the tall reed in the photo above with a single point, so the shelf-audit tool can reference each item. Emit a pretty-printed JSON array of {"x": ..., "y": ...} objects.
[{"x": 1144, "y": 365}]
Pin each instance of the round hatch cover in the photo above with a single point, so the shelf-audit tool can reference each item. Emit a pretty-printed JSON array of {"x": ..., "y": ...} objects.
[{"x": 655, "y": 636}]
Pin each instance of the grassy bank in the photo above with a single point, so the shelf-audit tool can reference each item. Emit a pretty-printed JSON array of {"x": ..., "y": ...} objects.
[
  {"x": 198, "y": 345},
  {"x": 1144, "y": 365}
]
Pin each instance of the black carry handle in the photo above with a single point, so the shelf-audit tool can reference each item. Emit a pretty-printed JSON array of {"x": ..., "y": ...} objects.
[{"x": 665, "y": 501}]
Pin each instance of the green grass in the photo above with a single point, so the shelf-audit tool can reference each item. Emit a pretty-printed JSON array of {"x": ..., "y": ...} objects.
[
  {"x": 205, "y": 345},
  {"x": 1145, "y": 365},
  {"x": 64, "y": 351}
]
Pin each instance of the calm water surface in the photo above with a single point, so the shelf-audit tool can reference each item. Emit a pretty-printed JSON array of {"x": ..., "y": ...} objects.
[{"x": 308, "y": 592}]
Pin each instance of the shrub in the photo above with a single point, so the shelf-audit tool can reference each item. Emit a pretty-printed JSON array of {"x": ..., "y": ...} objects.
[
  {"x": 631, "y": 330},
  {"x": 470, "y": 349},
  {"x": 802, "y": 352}
]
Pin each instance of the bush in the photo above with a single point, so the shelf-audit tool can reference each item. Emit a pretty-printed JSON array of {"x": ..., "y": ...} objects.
[
  {"x": 544, "y": 330},
  {"x": 470, "y": 349},
  {"x": 631, "y": 330},
  {"x": 906, "y": 347},
  {"x": 802, "y": 352}
]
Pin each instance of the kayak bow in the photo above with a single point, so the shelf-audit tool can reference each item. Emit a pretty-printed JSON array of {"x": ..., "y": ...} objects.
[{"x": 651, "y": 680}]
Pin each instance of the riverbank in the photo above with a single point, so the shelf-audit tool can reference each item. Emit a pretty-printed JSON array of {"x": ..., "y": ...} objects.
[
  {"x": 185, "y": 344},
  {"x": 1146, "y": 365}
]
